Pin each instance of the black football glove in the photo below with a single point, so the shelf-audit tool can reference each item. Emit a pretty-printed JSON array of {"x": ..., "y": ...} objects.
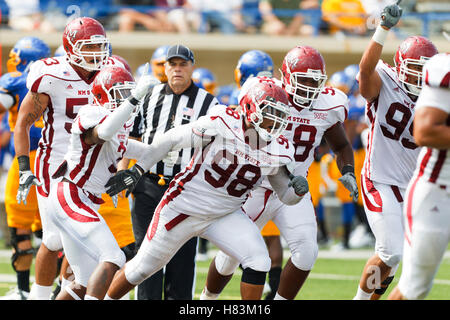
[{"x": 124, "y": 180}]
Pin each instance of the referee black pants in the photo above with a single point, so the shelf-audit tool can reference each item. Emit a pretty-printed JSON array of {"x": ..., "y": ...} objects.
[{"x": 178, "y": 279}]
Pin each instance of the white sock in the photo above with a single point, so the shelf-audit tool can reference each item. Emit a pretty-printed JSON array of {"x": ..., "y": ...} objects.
[
  {"x": 126, "y": 296},
  {"x": 206, "y": 295},
  {"x": 88, "y": 297},
  {"x": 362, "y": 295},
  {"x": 278, "y": 297},
  {"x": 108, "y": 297},
  {"x": 38, "y": 292}
]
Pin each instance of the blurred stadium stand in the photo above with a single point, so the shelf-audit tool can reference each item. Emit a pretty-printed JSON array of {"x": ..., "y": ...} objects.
[{"x": 426, "y": 17}]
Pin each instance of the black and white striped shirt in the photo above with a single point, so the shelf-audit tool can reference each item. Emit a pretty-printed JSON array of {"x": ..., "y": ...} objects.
[{"x": 162, "y": 110}]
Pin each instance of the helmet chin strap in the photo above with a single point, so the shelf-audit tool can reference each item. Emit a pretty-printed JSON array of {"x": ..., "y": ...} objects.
[{"x": 413, "y": 89}]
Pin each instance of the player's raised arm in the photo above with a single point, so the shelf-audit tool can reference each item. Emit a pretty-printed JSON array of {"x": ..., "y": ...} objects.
[
  {"x": 369, "y": 80},
  {"x": 106, "y": 130}
]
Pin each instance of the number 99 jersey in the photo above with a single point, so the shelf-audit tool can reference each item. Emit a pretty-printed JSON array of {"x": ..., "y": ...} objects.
[
  {"x": 391, "y": 152},
  {"x": 67, "y": 92}
]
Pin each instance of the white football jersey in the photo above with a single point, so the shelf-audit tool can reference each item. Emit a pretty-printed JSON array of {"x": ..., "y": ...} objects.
[
  {"x": 67, "y": 91},
  {"x": 221, "y": 174},
  {"x": 306, "y": 128},
  {"x": 91, "y": 166},
  {"x": 434, "y": 164},
  {"x": 391, "y": 152}
]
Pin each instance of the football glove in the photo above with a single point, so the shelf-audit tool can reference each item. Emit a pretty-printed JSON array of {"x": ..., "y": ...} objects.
[
  {"x": 349, "y": 182},
  {"x": 145, "y": 82},
  {"x": 124, "y": 180},
  {"x": 26, "y": 180},
  {"x": 391, "y": 15},
  {"x": 299, "y": 183}
]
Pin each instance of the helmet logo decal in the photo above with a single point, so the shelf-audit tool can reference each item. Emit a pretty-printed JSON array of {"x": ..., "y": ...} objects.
[
  {"x": 292, "y": 60},
  {"x": 72, "y": 34},
  {"x": 404, "y": 47}
]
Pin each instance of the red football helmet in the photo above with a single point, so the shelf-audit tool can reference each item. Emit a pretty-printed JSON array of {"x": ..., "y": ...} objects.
[
  {"x": 111, "y": 86},
  {"x": 124, "y": 62},
  {"x": 303, "y": 75},
  {"x": 85, "y": 43},
  {"x": 409, "y": 60},
  {"x": 266, "y": 107}
]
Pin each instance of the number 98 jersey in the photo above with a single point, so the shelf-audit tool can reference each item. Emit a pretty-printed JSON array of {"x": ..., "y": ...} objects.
[
  {"x": 221, "y": 174},
  {"x": 67, "y": 92},
  {"x": 391, "y": 152}
]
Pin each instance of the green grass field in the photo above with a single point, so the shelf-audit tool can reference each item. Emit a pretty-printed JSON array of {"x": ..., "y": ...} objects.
[{"x": 330, "y": 279}]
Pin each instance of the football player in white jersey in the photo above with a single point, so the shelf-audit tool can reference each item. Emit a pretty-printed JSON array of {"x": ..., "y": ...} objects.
[
  {"x": 236, "y": 150},
  {"x": 391, "y": 154},
  {"x": 316, "y": 112},
  {"x": 426, "y": 214},
  {"x": 57, "y": 88},
  {"x": 98, "y": 141}
]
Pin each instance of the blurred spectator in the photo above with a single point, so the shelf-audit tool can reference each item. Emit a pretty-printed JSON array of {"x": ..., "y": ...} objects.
[
  {"x": 176, "y": 14},
  {"x": 347, "y": 16},
  {"x": 25, "y": 15},
  {"x": 155, "y": 20},
  {"x": 224, "y": 15},
  {"x": 373, "y": 8},
  {"x": 286, "y": 25},
  {"x": 251, "y": 15}
]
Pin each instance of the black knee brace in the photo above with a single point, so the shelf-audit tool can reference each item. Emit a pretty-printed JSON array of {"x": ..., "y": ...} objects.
[
  {"x": 384, "y": 285},
  {"x": 129, "y": 250},
  {"x": 38, "y": 234},
  {"x": 253, "y": 277},
  {"x": 15, "y": 239}
]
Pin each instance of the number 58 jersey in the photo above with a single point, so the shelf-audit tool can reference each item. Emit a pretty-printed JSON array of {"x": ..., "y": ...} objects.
[
  {"x": 391, "y": 151},
  {"x": 222, "y": 173}
]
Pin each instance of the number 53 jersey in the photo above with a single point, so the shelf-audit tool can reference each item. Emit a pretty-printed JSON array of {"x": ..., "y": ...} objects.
[
  {"x": 67, "y": 92},
  {"x": 391, "y": 153},
  {"x": 221, "y": 174}
]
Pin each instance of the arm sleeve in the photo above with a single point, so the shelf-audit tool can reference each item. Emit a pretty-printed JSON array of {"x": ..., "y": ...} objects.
[
  {"x": 135, "y": 149},
  {"x": 184, "y": 136},
  {"x": 279, "y": 183},
  {"x": 108, "y": 128},
  {"x": 136, "y": 132},
  {"x": 88, "y": 117}
]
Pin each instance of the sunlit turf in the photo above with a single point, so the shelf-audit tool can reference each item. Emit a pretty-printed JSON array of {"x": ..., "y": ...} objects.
[{"x": 330, "y": 279}]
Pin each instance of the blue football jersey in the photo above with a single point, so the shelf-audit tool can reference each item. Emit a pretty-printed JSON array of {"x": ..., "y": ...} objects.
[{"x": 14, "y": 84}]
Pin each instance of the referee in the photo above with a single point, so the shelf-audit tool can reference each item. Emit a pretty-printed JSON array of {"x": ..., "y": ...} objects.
[{"x": 177, "y": 102}]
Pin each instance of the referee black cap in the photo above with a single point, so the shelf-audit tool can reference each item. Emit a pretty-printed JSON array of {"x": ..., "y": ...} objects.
[{"x": 180, "y": 51}]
